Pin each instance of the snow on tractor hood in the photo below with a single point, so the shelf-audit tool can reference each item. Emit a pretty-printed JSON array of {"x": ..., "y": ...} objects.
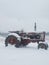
[{"x": 16, "y": 35}]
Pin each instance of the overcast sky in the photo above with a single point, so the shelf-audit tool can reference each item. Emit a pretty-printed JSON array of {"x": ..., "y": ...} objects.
[{"x": 21, "y": 14}]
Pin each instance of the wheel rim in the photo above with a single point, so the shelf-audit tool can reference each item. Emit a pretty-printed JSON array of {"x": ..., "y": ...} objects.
[
  {"x": 42, "y": 46},
  {"x": 12, "y": 40}
]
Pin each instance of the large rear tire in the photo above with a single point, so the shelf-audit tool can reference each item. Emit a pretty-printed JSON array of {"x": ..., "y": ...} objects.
[{"x": 12, "y": 40}]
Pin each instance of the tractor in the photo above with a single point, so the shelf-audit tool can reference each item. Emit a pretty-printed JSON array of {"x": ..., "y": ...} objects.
[{"x": 21, "y": 39}]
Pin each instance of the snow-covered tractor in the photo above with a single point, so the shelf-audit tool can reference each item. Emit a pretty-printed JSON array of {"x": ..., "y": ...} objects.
[{"x": 20, "y": 39}]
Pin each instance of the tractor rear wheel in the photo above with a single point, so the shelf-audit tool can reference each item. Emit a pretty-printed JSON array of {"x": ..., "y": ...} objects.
[{"x": 12, "y": 40}]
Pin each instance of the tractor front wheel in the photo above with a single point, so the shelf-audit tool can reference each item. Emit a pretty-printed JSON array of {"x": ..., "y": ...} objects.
[{"x": 43, "y": 46}]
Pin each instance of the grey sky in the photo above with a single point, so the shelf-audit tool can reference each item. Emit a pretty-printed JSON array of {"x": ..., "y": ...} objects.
[{"x": 21, "y": 14}]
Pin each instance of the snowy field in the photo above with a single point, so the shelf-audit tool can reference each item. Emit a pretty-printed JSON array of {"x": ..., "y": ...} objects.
[{"x": 29, "y": 55}]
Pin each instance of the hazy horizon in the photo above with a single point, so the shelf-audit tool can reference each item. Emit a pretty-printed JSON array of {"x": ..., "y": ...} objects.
[{"x": 22, "y": 14}]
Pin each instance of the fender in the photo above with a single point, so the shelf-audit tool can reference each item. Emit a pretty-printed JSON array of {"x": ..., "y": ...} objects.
[{"x": 16, "y": 35}]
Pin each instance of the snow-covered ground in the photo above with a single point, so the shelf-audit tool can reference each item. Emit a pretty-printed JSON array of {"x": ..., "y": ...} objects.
[{"x": 29, "y": 55}]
